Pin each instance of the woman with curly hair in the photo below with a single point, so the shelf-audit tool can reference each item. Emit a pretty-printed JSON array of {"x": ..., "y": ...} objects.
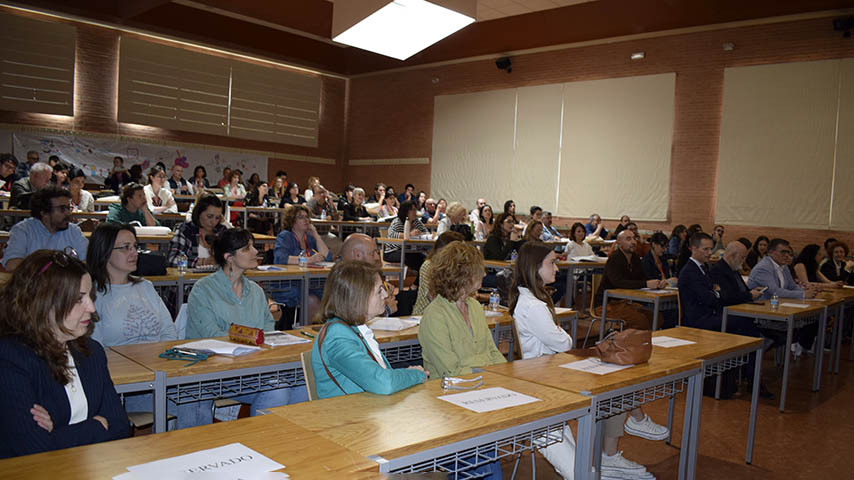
[{"x": 58, "y": 392}]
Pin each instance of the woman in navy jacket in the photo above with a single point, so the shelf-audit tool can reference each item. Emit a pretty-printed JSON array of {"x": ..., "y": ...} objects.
[{"x": 58, "y": 392}]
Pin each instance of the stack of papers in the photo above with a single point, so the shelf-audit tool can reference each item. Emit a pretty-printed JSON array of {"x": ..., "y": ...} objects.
[
  {"x": 594, "y": 365},
  {"x": 394, "y": 323},
  {"x": 229, "y": 462},
  {"x": 794, "y": 305},
  {"x": 669, "y": 342},
  {"x": 280, "y": 339},
  {"x": 562, "y": 310},
  {"x": 492, "y": 313},
  {"x": 219, "y": 347}
]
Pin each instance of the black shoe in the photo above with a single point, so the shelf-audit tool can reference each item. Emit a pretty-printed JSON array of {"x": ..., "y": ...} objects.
[{"x": 763, "y": 391}]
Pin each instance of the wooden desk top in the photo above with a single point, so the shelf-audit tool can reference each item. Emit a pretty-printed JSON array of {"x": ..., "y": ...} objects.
[
  {"x": 414, "y": 420},
  {"x": 304, "y": 454},
  {"x": 708, "y": 344},
  {"x": 546, "y": 370},
  {"x": 124, "y": 370},
  {"x": 642, "y": 294},
  {"x": 576, "y": 263},
  {"x": 146, "y": 354},
  {"x": 412, "y": 241},
  {"x": 764, "y": 308},
  {"x": 497, "y": 264},
  {"x": 258, "y": 275}
]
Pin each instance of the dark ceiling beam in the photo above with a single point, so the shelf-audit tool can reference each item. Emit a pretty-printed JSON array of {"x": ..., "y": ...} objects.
[{"x": 126, "y": 9}]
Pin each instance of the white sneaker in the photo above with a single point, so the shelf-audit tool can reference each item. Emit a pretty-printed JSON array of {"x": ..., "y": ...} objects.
[
  {"x": 617, "y": 466},
  {"x": 797, "y": 350},
  {"x": 646, "y": 428}
]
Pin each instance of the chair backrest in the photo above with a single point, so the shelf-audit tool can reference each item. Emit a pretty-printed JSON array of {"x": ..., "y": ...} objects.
[
  {"x": 181, "y": 322},
  {"x": 308, "y": 372},
  {"x": 595, "y": 280},
  {"x": 517, "y": 347}
]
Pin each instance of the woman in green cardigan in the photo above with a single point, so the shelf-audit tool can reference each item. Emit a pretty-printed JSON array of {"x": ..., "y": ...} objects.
[
  {"x": 346, "y": 357},
  {"x": 453, "y": 333}
]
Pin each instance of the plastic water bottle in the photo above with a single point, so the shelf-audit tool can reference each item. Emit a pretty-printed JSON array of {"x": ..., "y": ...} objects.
[
  {"x": 514, "y": 255},
  {"x": 494, "y": 300},
  {"x": 266, "y": 203},
  {"x": 303, "y": 260},
  {"x": 182, "y": 263},
  {"x": 775, "y": 302},
  {"x": 323, "y": 215}
]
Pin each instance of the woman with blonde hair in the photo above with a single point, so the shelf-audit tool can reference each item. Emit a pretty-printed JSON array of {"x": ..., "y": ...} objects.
[
  {"x": 355, "y": 210},
  {"x": 309, "y": 189},
  {"x": 346, "y": 357},
  {"x": 424, "y": 296},
  {"x": 456, "y": 219}
]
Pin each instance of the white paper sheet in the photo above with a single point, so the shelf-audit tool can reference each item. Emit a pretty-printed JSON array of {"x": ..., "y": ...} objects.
[
  {"x": 589, "y": 258},
  {"x": 562, "y": 310},
  {"x": 488, "y": 399},
  {"x": 280, "y": 339},
  {"x": 492, "y": 313},
  {"x": 657, "y": 291},
  {"x": 669, "y": 342},
  {"x": 270, "y": 268},
  {"x": 393, "y": 323},
  {"x": 232, "y": 461},
  {"x": 594, "y": 365},
  {"x": 794, "y": 305},
  {"x": 220, "y": 347},
  {"x": 848, "y": 286}
]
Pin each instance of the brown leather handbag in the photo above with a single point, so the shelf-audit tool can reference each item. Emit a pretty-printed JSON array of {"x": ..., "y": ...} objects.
[{"x": 628, "y": 347}]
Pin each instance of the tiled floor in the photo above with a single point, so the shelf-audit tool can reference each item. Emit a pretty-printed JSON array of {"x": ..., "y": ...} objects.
[{"x": 814, "y": 439}]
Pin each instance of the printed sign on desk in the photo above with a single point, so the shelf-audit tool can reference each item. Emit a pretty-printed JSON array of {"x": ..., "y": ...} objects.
[{"x": 489, "y": 399}]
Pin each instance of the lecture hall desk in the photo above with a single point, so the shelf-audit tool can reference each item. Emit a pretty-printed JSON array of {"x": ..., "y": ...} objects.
[
  {"x": 409, "y": 430},
  {"x": 304, "y": 454}
]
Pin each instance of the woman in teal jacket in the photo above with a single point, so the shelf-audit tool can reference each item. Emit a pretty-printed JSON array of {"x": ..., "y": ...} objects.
[{"x": 345, "y": 357}]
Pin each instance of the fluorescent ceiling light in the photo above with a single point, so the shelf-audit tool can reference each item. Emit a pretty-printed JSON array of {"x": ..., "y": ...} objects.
[
  {"x": 400, "y": 28},
  {"x": 638, "y": 56}
]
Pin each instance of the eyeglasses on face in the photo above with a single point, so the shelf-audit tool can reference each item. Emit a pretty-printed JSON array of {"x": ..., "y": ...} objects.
[{"x": 128, "y": 247}]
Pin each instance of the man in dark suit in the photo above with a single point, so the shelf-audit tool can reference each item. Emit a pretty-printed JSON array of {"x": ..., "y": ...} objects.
[{"x": 725, "y": 274}]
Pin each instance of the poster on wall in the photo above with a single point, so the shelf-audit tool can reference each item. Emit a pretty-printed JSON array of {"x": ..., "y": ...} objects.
[{"x": 95, "y": 155}]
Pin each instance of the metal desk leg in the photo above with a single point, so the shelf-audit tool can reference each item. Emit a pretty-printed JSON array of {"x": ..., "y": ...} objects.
[
  {"x": 597, "y": 444},
  {"x": 840, "y": 321},
  {"x": 786, "y": 359},
  {"x": 303, "y": 315},
  {"x": 694, "y": 444},
  {"x": 718, "y": 379},
  {"x": 754, "y": 401},
  {"x": 584, "y": 297},
  {"x": 819, "y": 352},
  {"x": 833, "y": 333},
  {"x": 575, "y": 329},
  {"x": 604, "y": 307},
  {"x": 571, "y": 287},
  {"x": 671, "y": 404},
  {"x": 402, "y": 264},
  {"x": 584, "y": 441},
  {"x": 159, "y": 402},
  {"x": 655, "y": 305}
]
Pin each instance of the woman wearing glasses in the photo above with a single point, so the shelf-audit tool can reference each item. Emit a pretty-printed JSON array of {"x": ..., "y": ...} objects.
[
  {"x": 345, "y": 356},
  {"x": 194, "y": 238},
  {"x": 159, "y": 198},
  {"x": 58, "y": 389},
  {"x": 300, "y": 237}
]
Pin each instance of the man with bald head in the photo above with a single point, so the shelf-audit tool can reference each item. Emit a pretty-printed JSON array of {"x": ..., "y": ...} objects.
[
  {"x": 624, "y": 269},
  {"x": 359, "y": 246},
  {"x": 725, "y": 273}
]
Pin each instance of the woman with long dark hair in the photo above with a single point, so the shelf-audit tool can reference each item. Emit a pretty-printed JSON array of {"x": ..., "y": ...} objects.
[
  {"x": 58, "y": 392},
  {"x": 503, "y": 239},
  {"x": 158, "y": 196},
  {"x": 757, "y": 251}
]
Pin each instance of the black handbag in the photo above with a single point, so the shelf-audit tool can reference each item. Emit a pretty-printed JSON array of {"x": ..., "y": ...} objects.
[{"x": 150, "y": 263}]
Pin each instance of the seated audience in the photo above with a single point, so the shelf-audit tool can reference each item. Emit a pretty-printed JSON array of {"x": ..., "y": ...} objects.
[
  {"x": 136, "y": 174},
  {"x": 292, "y": 196},
  {"x": 624, "y": 223},
  {"x": 177, "y": 184},
  {"x": 346, "y": 198},
  {"x": 577, "y": 246},
  {"x": 321, "y": 201},
  {"x": 277, "y": 191},
  {"x": 654, "y": 264},
  {"x": 23, "y": 168},
  {"x": 226, "y": 176},
  {"x": 195, "y": 238},
  {"x": 453, "y": 334},
  {"x": 8, "y": 162},
  {"x": 378, "y": 196},
  {"x": 677, "y": 238},
  {"x": 421, "y": 199},
  {"x": 624, "y": 269},
  {"x": 718, "y": 238},
  {"x": 805, "y": 267},
  {"x": 424, "y": 296},
  {"x": 456, "y": 220},
  {"x": 309, "y": 191},
  {"x": 485, "y": 222},
  {"x": 474, "y": 215},
  {"x": 130, "y": 311},
  {"x": 81, "y": 200},
  {"x": 24, "y": 188},
  {"x": 159, "y": 198},
  {"x": 726, "y": 274},
  {"x": 540, "y": 334},
  {"x": 837, "y": 269},
  {"x": 300, "y": 237},
  {"x": 133, "y": 207},
  {"x": 503, "y": 240},
  {"x": 60, "y": 173},
  {"x": 220, "y": 299},
  {"x": 388, "y": 207},
  {"x": 773, "y": 272},
  {"x": 363, "y": 248},
  {"x": 406, "y": 225},
  {"x": 354, "y": 210},
  {"x": 200, "y": 179},
  {"x": 233, "y": 189},
  {"x": 431, "y": 214},
  {"x": 389, "y": 192},
  {"x": 253, "y": 182},
  {"x": 259, "y": 222},
  {"x": 49, "y": 228},
  {"x": 58, "y": 389},
  {"x": 533, "y": 231},
  {"x": 407, "y": 195},
  {"x": 346, "y": 357},
  {"x": 550, "y": 233},
  {"x": 685, "y": 252},
  {"x": 595, "y": 227},
  {"x": 758, "y": 251},
  {"x": 119, "y": 176}
]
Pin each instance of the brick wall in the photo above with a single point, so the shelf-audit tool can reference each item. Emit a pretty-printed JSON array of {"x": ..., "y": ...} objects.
[{"x": 391, "y": 115}]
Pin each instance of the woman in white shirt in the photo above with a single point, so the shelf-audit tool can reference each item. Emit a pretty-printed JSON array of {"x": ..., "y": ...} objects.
[
  {"x": 577, "y": 247},
  {"x": 159, "y": 198},
  {"x": 81, "y": 200},
  {"x": 234, "y": 190},
  {"x": 539, "y": 334}
]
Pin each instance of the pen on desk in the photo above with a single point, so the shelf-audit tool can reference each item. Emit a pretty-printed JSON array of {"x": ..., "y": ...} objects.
[{"x": 306, "y": 334}]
